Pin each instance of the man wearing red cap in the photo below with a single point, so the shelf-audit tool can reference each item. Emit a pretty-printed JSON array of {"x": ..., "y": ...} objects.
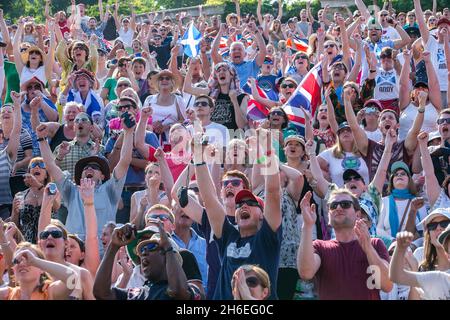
[
  {"x": 257, "y": 238},
  {"x": 436, "y": 47}
]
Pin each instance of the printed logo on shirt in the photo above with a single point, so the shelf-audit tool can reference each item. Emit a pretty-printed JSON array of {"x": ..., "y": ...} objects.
[
  {"x": 238, "y": 253},
  {"x": 442, "y": 63},
  {"x": 351, "y": 162}
]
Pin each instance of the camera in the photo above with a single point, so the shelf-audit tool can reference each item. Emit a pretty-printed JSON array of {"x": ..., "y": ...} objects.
[
  {"x": 127, "y": 120},
  {"x": 52, "y": 188}
]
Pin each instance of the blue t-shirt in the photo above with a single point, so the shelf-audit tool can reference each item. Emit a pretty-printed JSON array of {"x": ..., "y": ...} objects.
[
  {"x": 26, "y": 124},
  {"x": 135, "y": 176},
  {"x": 212, "y": 253},
  {"x": 246, "y": 70},
  {"x": 262, "y": 249},
  {"x": 377, "y": 47}
]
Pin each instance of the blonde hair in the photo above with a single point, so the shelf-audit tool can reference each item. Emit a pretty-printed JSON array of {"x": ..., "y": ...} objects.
[
  {"x": 162, "y": 208},
  {"x": 260, "y": 273},
  {"x": 338, "y": 151}
]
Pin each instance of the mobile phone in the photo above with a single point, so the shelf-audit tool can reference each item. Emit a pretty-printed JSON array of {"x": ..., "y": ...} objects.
[
  {"x": 205, "y": 140},
  {"x": 52, "y": 188},
  {"x": 127, "y": 120}
]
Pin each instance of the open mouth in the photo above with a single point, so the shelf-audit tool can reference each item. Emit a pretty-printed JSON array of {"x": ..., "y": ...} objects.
[
  {"x": 387, "y": 127},
  {"x": 89, "y": 175},
  {"x": 244, "y": 215},
  {"x": 222, "y": 78},
  {"x": 36, "y": 173},
  {"x": 230, "y": 194},
  {"x": 50, "y": 245},
  {"x": 445, "y": 130},
  {"x": 336, "y": 74},
  {"x": 323, "y": 117}
]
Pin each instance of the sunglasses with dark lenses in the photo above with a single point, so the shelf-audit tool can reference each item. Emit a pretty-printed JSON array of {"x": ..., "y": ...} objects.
[
  {"x": 249, "y": 202},
  {"x": 126, "y": 106},
  {"x": 162, "y": 217},
  {"x": 444, "y": 120},
  {"x": 94, "y": 166},
  {"x": 287, "y": 85},
  {"x": 149, "y": 247},
  {"x": 164, "y": 78},
  {"x": 234, "y": 182},
  {"x": 277, "y": 113},
  {"x": 121, "y": 65},
  {"x": 330, "y": 45},
  {"x": 384, "y": 15},
  {"x": 301, "y": 57},
  {"x": 123, "y": 85},
  {"x": 201, "y": 104},
  {"x": 35, "y": 51},
  {"x": 23, "y": 49},
  {"x": 34, "y": 87},
  {"x": 252, "y": 282},
  {"x": 352, "y": 178},
  {"x": 345, "y": 204},
  {"x": 434, "y": 225},
  {"x": 56, "y": 234},
  {"x": 79, "y": 120},
  {"x": 37, "y": 164}
]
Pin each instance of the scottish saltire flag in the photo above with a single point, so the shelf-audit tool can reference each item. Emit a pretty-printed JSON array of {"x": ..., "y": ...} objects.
[
  {"x": 307, "y": 96},
  {"x": 297, "y": 44},
  {"x": 191, "y": 41},
  {"x": 255, "y": 110}
]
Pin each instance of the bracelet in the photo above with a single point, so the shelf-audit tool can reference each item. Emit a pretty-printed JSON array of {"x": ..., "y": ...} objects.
[
  {"x": 199, "y": 164},
  {"x": 261, "y": 160},
  {"x": 88, "y": 203},
  {"x": 41, "y": 139},
  {"x": 421, "y": 109}
]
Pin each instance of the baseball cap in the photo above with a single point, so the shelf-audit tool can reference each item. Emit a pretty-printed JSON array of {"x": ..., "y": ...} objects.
[
  {"x": 400, "y": 165},
  {"x": 373, "y": 24},
  {"x": 248, "y": 194},
  {"x": 443, "y": 20},
  {"x": 351, "y": 173},
  {"x": 295, "y": 137},
  {"x": 343, "y": 125}
]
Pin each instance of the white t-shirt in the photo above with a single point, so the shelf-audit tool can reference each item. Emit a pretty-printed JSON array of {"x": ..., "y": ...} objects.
[
  {"x": 218, "y": 134},
  {"x": 376, "y": 135},
  {"x": 408, "y": 116},
  {"x": 418, "y": 254},
  {"x": 137, "y": 279},
  {"x": 127, "y": 37},
  {"x": 390, "y": 33},
  {"x": 439, "y": 62},
  {"x": 435, "y": 284},
  {"x": 386, "y": 85},
  {"x": 337, "y": 166},
  {"x": 384, "y": 227}
]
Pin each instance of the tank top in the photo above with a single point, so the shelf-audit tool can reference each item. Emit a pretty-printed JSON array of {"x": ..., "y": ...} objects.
[
  {"x": 14, "y": 293},
  {"x": 28, "y": 74},
  {"x": 58, "y": 138},
  {"x": 387, "y": 85}
]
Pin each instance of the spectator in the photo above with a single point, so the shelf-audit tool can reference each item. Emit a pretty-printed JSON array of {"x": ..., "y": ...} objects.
[{"x": 250, "y": 282}]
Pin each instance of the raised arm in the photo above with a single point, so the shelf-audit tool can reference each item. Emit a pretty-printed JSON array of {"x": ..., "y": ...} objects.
[
  {"x": 116, "y": 16},
  {"x": 362, "y": 142},
  {"x": 14, "y": 139},
  {"x": 424, "y": 32},
  {"x": 188, "y": 86},
  {"x": 411, "y": 138},
  {"x": 126, "y": 153},
  {"x": 166, "y": 175},
  {"x": 434, "y": 91},
  {"x": 346, "y": 57},
  {"x": 397, "y": 272},
  {"x": 280, "y": 9},
  {"x": 316, "y": 171},
  {"x": 330, "y": 111},
  {"x": 308, "y": 262},
  {"x": 92, "y": 255},
  {"x": 404, "y": 38},
  {"x": 4, "y": 29},
  {"x": 262, "y": 51},
  {"x": 433, "y": 188},
  {"x": 50, "y": 57},
  {"x": 295, "y": 181},
  {"x": 381, "y": 173},
  {"x": 16, "y": 47},
  {"x": 362, "y": 9},
  {"x": 215, "y": 56},
  {"x": 215, "y": 210},
  {"x": 54, "y": 171},
  {"x": 404, "y": 94},
  {"x": 269, "y": 104},
  {"x": 139, "y": 137},
  {"x": 258, "y": 13}
]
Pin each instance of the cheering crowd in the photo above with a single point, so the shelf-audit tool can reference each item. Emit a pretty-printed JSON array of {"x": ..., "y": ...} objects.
[{"x": 241, "y": 157}]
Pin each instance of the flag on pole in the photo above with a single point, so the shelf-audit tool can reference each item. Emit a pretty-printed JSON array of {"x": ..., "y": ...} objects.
[
  {"x": 191, "y": 41},
  {"x": 306, "y": 97}
]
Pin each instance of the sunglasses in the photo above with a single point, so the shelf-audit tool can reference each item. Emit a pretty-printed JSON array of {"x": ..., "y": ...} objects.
[
  {"x": 234, "y": 182},
  {"x": 434, "y": 225},
  {"x": 126, "y": 106},
  {"x": 302, "y": 57},
  {"x": 384, "y": 15},
  {"x": 157, "y": 39},
  {"x": 222, "y": 68},
  {"x": 277, "y": 113},
  {"x": 149, "y": 247},
  {"x": 353, "y": 178},
  {"x": 37, "y": 164},
  {"x": 123, "y": 85},
  {"x": 252, "y": 282},
  {"x": 339, "y": 67},
  {"x": 164, "y": 78},
  {"x": 56, "y": 234},
  {"x": 79, "y": 120},
  {"x": 330, "y": 45},
  {"x": 411, "y": 16},
  {"x": 35, "y": 52},
  {"x": 345, "y": 204},
  {"x": 34, "y": 87},
  {"x": 121, "y": 65},
  {"x": 23, "y": 49},
  {"x": 443, "y": 121},
  {"x": 268, "y": 62},
  {"x": 285, "y": 85},
  {"x": 162, "y": 217},
  {"x": 94, "y": 166},
  {"x": 249, "y": 202},
  {"x": 201, "y": 104},
  {"x": 400, "y": 174}
]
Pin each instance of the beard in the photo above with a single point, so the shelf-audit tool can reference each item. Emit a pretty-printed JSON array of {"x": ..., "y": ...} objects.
[{"x": 346, "y": 223}]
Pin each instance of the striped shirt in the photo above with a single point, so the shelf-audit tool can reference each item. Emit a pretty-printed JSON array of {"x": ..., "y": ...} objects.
[
  {"x": 26, "y": 143},
  {"x": 5, "y": 170}
]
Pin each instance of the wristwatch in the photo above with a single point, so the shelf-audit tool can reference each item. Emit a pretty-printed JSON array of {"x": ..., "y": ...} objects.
[
  {"x": 421, "y": 109},
  {"x": 41, "y": 139}
]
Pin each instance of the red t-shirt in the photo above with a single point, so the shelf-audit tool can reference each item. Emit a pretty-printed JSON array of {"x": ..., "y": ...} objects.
[
  {"x": 343, "y": 271},
  {"x": 176, "y": 166}
]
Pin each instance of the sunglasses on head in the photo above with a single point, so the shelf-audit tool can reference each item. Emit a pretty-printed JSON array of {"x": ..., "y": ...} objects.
[
  {"x": 443, "y": 120},
  {"x": 234, "y": 182},
  {"x": 249, "y": 202},
  {"x": 344, "y": 204},
  {"x": 34, "y": 87},
  {"x": 94, "y": 166},
  {"x": 39, "y": 164},
  {"x": 201, "y": 104},
  {"x": 252, "y": 282},
  {"x": 149, "y": 247},
  {"x": 434, "y": 225},
  {"x": 287, "y": 85},
  {"x": 56, "y": 234}
]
